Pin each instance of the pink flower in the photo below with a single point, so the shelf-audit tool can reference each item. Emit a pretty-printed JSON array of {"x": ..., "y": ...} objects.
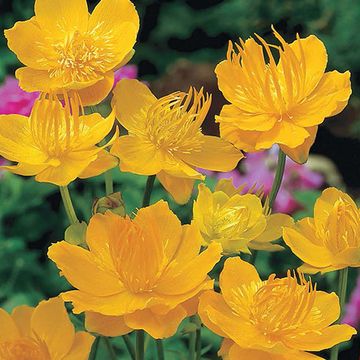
[
  {"x": 125, "y": 72},
  {"x": 15, "y": 100},
  {"x": 352, "y": 309},
  {"x": 259, "y": 168}
]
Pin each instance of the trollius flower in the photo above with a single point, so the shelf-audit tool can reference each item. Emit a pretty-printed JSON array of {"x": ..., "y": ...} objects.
[
  {"x": 278, "y": 103},
  {"x": 135, "y": 274},
  {"x": 42, "y": 333},
  {"x": 331, "y": 239},
  {"x": 65, "y": 48},
  {"x": 281, "y": 317},
  {"x": 237, "y": 221},
  {"x": 55, "y": 145},
  {"x": 165, "y": 137}
]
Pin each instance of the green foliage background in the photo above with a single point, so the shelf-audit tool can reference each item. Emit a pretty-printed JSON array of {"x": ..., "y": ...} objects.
[{"x": 31, "y": 215}]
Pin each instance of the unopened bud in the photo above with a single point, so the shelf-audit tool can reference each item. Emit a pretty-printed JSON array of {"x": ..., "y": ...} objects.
[
  {"x": 75, "y": 234},
  {"x": 113, "y": 202}
]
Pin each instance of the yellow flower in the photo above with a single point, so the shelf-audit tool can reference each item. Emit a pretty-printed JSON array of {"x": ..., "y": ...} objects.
[
  {"x": 53, "y": 145},
  {"x": 65, "y": 48},
  {"x": 278, "y": 318},
  {"x": 237, "y": 221},
  {"x": 278, "y": 103},
  {"x": 165, "y": 137},
  {"x": 135, "y": 274},
  {"x": 331, "y": 239},
  {"x": 42, "y": 333}
]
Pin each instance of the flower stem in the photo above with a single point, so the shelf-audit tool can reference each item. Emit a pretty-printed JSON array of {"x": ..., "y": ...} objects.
[
  {"x": 343, "y": 278},
  {"x": 160, "y": 349},
  {"x": 195, "y": 339},
  {"x": 129, "y": 346},
  {"x": 109, "y": 185},
  {"x": 140, "y": 345},
  {"x": 278, "y": 178},
  {"x": 198, "y": 344},
  {"x": 109, "y": 348},
  {"x": 69, "y": 208},
  {"x": 148, "y": 190},
  {"x": 94, "y": 349}
]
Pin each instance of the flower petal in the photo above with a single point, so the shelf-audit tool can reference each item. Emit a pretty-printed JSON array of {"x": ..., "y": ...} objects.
[
  {"x": 102, "y": 163},
  {"x": 59, "y": 16},
  {"x": 106, "y": 325},
  {"x": 179, "y": 188},
  {"x": 22, "y": 318},
  {"x": 156, "y": 325},
  {"x": 50, "y": 323},
  {"x": 8, "y": 328},
  {"x": 25, "y": 169},
  {"x": 215, "y": 154},
  {"x": 80, "y": 269},
  {"x": 81, "y": 347}
]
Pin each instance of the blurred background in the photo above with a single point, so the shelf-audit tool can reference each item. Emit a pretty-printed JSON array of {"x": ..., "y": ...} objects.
[{"x": 179, "y": 44}]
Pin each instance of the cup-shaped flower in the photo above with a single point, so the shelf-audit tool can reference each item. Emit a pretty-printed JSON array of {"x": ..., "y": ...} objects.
[
  {"x": 65, "y": 48},
  {"x": 237, "y": 221},
  {"x": 54, "y": 144},
  {"x": 281, "y": 317},
  {"x": 164, "y": 137},
  {"x": 278, "y": 103},
  {"x": 331, "y": 239},
  {"x": 137, "y": 274},
  {"x": 42, "y": 333}
]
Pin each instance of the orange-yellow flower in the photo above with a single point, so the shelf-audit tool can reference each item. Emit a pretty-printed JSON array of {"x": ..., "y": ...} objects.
[
  {"x": 331, "y": 239},
  {"x": 55, "y": 145},
  {"x": 165, "y": 137},
  {"x": 278, "y": 103},
  {"x": 135, "y": 274},
  {"x": 63, "y": 47},
  {"x": 237, "y": 221},
  {"x": 279, "y": 318},
  {"x": 42, "y": 333}
]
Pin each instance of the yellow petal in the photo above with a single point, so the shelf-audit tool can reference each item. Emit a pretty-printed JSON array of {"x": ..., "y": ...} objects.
[
  {"x": 80, "y": 269},
  {"x": 106, "y": 325},
  {"x": 215, "y": 154},
  {"x": 137, "y": 156},
  {"x": 306, "y": 250},
  {"x": 103, "y": 162},
  {"x": 81, "y": 347},
  {"x": 274, "y": 225},
  {"x": 329, "y": 98},
  {"x": 119, "y": 19},
  {"x": 157, "y": 326},
  {"x": 59, "y": 16},
  {"x": 131, "y": 99},
  {"x": 16, "y": 143},
  {"x": 179, "y": 188},
  {"x": 22, "y": 318},
  {"x": 94, "y": 94},
  {"x": 283, "y": 133},
  {"x": 245, "y": 120},
  {"x": 320, "y": 340},
  {"x": 26, "y": 40},
  {"x": 8, "y": 328},
  {"x": 176, "y": 279},
  {"x": 51, "y": 324},
  {"x": 328, "y": 305},
  {"x": 300, "y": 153},
  {"x": 25, "y": 169}
]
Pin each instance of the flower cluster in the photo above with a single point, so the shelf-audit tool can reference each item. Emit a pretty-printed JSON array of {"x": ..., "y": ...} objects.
[{"x": 146, "y": 271}]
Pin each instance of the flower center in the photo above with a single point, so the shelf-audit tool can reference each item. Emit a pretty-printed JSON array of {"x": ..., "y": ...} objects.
[
  {"x": 82, "y": 57},
  {"x": 138, "y": 257},
  {"x": 281, "y": 306},
  {"x": 22, "y": 349},
  {"x": 173, "y": 122}
]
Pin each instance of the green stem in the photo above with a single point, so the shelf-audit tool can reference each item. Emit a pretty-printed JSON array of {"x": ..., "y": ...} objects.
[
  {"x": 198, "y": 344},
  {"x": 129, "y": 346},
  {"x": 110, "y": 349},
  {"x": 148, "y": 190},
  {"x": 94, "y": 349},
  {"x": 109, "y": 185},
  {"x": 192, "y": 345},
  {"x": 278, "y": 178},
  {"x": 160, "y": 349},
  {"x": 69, "y": 208},
  {"x": 343, "y": 278},
  {"x": 140, "y": 345}
]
